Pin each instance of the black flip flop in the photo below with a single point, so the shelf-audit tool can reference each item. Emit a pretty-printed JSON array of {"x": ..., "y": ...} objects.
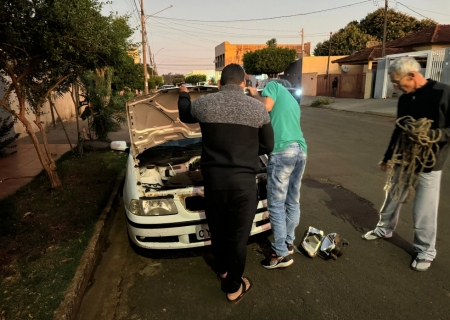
[{"x": 244, "y": 290}]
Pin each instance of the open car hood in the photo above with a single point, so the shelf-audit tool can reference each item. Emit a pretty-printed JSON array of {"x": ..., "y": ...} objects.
[{"x": 153, "y": 119}]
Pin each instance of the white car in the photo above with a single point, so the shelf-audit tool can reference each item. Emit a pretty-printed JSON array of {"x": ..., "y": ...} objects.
[
  {"x": 166, "y": 86},
  {"x": 163, "y": 192}
]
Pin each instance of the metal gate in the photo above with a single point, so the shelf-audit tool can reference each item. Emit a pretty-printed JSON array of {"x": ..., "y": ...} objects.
[
  {"x": 433, "y": 70},
  {"x": 349, "y": 85},
  {"x": 435, "y": 63}
]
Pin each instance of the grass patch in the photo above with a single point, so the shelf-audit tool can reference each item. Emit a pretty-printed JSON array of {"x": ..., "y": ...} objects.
[
  {"x": 44, "y": 232},
  {"x": 322, "y": 101}
]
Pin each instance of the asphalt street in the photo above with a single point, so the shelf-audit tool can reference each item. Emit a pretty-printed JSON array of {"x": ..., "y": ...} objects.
[{"x": 342, "y": 191}]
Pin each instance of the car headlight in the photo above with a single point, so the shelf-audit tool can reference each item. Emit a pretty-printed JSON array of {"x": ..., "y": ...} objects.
[
  {"x": 298, "y": 92},
  {"x": 153, "y": 207}
]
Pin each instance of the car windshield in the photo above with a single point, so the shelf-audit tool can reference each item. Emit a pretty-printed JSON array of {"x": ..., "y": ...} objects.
[{"x": 283, "y": 82}]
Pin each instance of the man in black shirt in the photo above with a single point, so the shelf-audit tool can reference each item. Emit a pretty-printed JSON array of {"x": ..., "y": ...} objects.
[
  {"x": 235, "y": 130},
  {"x": 427, "y": 99}
]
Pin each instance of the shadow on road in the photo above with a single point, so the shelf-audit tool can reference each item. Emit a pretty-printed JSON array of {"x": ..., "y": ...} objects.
[
  {"x": 205, "y": 252},
  {"x": 351, "y": 208}
]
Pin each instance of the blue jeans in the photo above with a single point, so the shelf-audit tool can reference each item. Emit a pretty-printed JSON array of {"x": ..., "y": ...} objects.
[
  {"x": 284, "y": 174},
  {"x": 425, "y": 211}
]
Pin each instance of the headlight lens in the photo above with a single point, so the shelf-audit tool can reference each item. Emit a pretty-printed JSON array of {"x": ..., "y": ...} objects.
[
  {"x": 155, "y": 207},
  {"x": 298, "y": 92}
]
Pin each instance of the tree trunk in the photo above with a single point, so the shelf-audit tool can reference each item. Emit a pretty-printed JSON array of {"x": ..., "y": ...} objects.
[
  {"x": 51, "y": 171},
  {"x": 76, "y": 90},
  {"x": 48, "y": 165},
  {"x": 52, "y": 105}
]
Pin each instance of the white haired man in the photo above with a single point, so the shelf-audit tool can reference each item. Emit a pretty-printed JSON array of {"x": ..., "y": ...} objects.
[{"x": 422, "y": 98}]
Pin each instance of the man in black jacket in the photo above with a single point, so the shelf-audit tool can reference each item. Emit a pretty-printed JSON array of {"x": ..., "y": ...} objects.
[
  {"x": 427, "y": 99},
  {"x": 236, "y": 129}
]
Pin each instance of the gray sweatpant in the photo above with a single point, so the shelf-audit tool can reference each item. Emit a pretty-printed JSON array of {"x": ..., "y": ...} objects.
[{"x": 425, "y": 211}]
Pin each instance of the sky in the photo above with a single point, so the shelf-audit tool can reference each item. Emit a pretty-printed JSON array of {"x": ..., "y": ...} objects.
[{"x": 181, "y": 46}]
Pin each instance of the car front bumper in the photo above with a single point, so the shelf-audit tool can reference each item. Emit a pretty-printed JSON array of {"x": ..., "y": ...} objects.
[{"x": 180, "y": 235}]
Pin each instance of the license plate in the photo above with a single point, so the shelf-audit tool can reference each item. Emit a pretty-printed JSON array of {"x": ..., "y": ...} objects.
[{"x": 202, "y": 232}]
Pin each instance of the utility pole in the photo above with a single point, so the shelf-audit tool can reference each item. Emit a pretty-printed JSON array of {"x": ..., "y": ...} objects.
[
  {"x": 144, "y": 48},
  {"x": 303, "y": 42},
  {"x": 328, "y": 64},
  {"x": 144, "y": 44},
  {"x": 383, "y": 51},
  {"x": 152, "y": 61}
]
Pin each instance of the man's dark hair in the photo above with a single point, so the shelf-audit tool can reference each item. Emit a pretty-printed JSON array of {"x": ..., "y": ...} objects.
[{"x": 232, "y": 74}]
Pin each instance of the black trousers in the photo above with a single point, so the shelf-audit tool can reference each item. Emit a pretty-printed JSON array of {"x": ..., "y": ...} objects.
[{"x": 230, "y": 215}]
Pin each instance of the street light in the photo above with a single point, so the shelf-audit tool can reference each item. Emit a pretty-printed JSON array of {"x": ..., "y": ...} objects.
[
  {"x": 144, "y": 45},
  {"x": 151, "y": 15},
  {"x": 154, "y": 61}
]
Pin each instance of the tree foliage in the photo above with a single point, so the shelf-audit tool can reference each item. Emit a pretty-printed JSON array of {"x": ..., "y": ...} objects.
[
  {"x": 398, "y": 24},
  {"x": 344, "y": 42},
  {"x": 195, "y": 78},
  {"x": 272, "y": 43},
  {"x": 44, "y": 47},
  {"x": 169, "y": 77},
  {"x": 106, "y": 108},
  {"x": 355, "y": 35},
  {"x": 271, "y": 60},
  {"x": 178, "y": 79},
  {"x": 155, "y": 81},
  {"x": 128, "y": 75}
]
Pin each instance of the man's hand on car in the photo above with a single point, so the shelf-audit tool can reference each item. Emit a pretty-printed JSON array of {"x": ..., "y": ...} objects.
[
  {"x": 183, "y": 89},
  {"x": 383, "y": 166},
  {"x": 253, "y": 91}
]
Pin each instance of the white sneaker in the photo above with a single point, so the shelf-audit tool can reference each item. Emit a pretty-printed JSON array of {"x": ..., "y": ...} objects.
[
  {"x": 421, "y": 264},
  {"x": 370, "y": 235}
]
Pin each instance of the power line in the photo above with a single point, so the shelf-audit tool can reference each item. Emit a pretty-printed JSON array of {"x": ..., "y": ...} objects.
[
  {"x": 179, "y": 41},
  {"x": 186, "y": 32},
  {"x": 185, "y": 65},
  {"x": 133, "y": 12},
  {"x": 231, "y": 35},
  {"x": 218, "y": 33},
  {"x": 184, "y": 57},
  {"x": 227, "y": 27},
  {"x": 413, "y": 10},
  {"x": 270, "y": 18},
  {"x": 444, "y": 14}
]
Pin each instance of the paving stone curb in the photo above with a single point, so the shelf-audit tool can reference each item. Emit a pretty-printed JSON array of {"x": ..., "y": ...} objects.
[
  {"x": 68, "y": 308},
  {"x": 376, "y": 113}
]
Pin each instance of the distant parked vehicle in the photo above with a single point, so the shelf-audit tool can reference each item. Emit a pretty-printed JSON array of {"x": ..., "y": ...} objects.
[
  {"x": 295, "y": 92},
  {"x": 166, "y": 86}
]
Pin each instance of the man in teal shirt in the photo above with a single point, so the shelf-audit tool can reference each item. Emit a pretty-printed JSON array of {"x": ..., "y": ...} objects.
[{"x": 284, "y": 171}]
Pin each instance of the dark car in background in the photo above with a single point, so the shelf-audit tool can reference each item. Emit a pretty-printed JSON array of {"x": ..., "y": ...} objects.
[{"x": 295, "y": 92}]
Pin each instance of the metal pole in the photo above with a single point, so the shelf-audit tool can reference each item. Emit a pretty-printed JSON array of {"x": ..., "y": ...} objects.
[
  {"x": 383, "y": 51},
  {"x": 144, "y": 48},
  {"x": 328, "y": 64},
  {"x": 154, "y": 62},
  {"x": 143, "y": 17},
  {"x": 303, "y": 42},
  {"x": 151, "y": 60}
]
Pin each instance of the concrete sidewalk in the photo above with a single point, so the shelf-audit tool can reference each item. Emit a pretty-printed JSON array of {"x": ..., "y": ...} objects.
[
  {"x": 382, "y": 107},
  {"x": 19, "y": 168}
]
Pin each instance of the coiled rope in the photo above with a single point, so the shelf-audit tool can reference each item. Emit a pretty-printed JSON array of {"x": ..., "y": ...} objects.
[{"x": 415, "y": 151}]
